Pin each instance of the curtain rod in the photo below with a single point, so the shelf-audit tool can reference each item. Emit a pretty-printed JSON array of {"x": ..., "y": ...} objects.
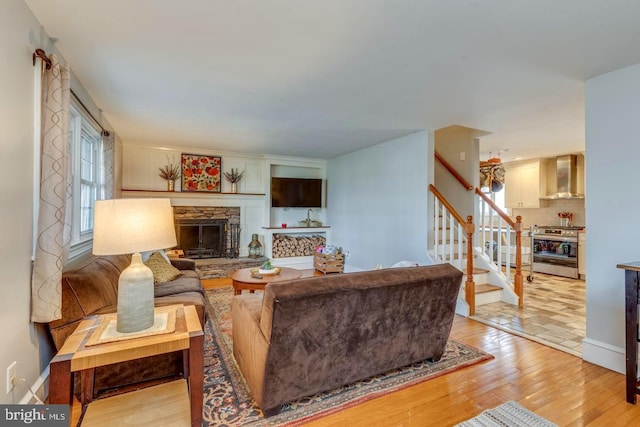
[
  {"x": 39, "y": 53},
  {"x": 103, "y": 132}
]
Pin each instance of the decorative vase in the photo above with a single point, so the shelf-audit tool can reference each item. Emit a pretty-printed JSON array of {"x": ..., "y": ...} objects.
[
  {"x": 234, "y": 187},
  {"x": 255, "y": 247},
  {"x": 170, "y": 185}
]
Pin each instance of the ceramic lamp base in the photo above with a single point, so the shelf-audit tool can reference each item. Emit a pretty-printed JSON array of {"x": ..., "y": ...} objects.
[{"x": 135, "y": 297}]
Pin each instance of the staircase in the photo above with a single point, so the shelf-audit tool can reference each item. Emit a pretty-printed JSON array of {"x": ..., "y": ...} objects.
[
  {"x": 454, "y": 238},
  {"x": 490, "y": 284}
]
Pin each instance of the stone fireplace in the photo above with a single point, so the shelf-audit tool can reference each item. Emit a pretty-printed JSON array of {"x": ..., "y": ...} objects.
[{"x": 207, "y": 231}]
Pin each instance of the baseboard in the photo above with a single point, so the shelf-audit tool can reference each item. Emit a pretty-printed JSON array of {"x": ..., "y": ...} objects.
[
  {"x": 603, "y": 354},
  {"x": 462, "y": 308},
  {"x": 299, "y": 263}
]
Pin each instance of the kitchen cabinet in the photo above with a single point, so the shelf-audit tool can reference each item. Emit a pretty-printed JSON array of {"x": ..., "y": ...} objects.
[
  {"x": 582, "y": 254},
  {"x": 525, "y": 183}
]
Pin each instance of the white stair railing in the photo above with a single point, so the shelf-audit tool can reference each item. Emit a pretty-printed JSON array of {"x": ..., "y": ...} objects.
[
  {"x": 492, "y": 225},
  {"x": 449, "y": 237},
  {"x": 453, "y": 242},
  {"x": 496, "y": 230}
]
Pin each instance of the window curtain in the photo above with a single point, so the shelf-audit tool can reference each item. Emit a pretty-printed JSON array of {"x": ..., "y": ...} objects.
[
  {"x": 107, "y": 156},
  {"x": 54, "y": 217}
]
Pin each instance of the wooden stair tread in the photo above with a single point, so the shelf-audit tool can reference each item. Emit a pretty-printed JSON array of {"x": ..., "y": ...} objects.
[
  {"x": 479, "y": 271},
  {"x": 485, "y": 287}
]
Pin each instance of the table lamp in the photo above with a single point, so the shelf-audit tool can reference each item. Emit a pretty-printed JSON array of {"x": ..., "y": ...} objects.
[{"x": 123, "y": 226}]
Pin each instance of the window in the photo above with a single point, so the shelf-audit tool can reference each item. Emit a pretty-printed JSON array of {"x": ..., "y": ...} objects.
[
  {"x": 86, "y": 171},
  {"x": 483, "y": 209},
  {"x": 498, "y": 198}
]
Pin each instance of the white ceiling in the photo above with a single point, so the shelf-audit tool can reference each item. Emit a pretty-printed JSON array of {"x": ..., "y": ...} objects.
[{"x": 322, "y": 78}]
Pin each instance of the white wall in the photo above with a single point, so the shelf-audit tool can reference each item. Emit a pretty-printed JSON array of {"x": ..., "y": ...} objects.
[
  {"x": 450, "y": 143},
  {"x": 377, "y": 202},
  {"x": 612, "y": 159},
  {"x": 20, "y": 34},
  {"x": 141, "y": 163}
]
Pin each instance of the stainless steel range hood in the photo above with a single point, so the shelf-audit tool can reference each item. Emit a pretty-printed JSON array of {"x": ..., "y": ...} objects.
[{"x": 566, "y": 179}]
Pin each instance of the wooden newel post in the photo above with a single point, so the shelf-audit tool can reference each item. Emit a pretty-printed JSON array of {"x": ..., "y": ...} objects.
[
  {"x": 518, "y": 283},
  {"x": 470, "y": 286}
]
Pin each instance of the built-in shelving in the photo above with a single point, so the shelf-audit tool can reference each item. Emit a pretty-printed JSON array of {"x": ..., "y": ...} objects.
[{"x": 296, "y": 262}]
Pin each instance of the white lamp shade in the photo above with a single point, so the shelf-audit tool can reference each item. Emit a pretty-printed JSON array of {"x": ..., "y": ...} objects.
[{"x": 124, "y": 226}]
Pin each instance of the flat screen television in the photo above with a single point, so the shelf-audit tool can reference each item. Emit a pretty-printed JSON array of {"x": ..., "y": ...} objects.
[{"x": 296, "y": 193}]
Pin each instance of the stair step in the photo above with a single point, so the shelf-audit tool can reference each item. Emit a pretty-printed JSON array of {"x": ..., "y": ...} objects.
[
  {"x": 476, "y": 271},
  {"x": 485, "y": 287}
]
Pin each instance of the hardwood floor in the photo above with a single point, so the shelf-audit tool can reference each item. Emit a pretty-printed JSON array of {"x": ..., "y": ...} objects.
[
  {"x": 551, "y": 383},
  {"x": 554, "y": 384}
]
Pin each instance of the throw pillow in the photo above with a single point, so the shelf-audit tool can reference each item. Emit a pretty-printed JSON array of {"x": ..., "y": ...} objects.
[
  {"x": 162, "y": 270},
  {"x": 145, "y": 255}
]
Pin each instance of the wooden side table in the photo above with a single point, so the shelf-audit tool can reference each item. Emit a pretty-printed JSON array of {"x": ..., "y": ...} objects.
[
  {"x": 75, "y": 357},
  {"x": 631, "y": 284}
]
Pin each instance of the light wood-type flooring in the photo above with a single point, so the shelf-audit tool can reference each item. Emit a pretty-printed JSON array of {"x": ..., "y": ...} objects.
[{"x": 552, "y": 383}]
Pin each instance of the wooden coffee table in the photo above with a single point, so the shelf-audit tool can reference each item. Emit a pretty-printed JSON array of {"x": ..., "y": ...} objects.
[{"x": 243, "y": 280}]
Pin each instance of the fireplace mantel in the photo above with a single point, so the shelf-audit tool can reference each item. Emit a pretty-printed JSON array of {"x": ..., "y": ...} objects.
[
  {"x": 253, "y": 208},
  {"x": 188, "y": 193}
]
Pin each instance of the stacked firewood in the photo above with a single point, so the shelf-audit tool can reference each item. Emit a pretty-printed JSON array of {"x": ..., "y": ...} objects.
[{"x": 286, "y": 245}]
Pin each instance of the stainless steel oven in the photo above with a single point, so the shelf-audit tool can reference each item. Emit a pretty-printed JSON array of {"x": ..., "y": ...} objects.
[{"x": 555, "y": 250}]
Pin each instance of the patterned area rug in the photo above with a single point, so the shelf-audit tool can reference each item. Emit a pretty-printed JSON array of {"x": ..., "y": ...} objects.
[
  {"x": 228, "y": 402},
  {"x": 508, "y": 414}
]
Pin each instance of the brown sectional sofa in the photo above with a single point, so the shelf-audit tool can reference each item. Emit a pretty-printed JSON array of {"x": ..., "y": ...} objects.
[
  {"x": 314, "y": 334},
  {"x": 90, "y": 286}
]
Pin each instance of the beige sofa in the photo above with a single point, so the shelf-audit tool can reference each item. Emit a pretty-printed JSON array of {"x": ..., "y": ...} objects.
[
  {"x": 314, "y": 334},
  {"x": 90, "y": 286}
]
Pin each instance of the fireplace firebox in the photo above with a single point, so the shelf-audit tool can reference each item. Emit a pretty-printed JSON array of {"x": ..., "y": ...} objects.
[{"x": 201, "y": 238}]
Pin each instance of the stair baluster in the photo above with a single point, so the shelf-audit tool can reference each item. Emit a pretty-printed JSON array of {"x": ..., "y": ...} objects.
[
  {"x": 489, "y": 216},
  {"x": 505, "y": 226},
  {"x": 453, "y": 239}
]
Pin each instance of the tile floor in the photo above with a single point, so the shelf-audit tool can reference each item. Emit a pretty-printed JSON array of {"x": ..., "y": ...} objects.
[{"x": 553, "y": 313}]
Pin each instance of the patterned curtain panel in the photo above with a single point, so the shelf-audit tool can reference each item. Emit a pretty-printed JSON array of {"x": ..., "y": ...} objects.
[
  {"x": 54, "y": 219},
  {"x": 108, "y": 154}
]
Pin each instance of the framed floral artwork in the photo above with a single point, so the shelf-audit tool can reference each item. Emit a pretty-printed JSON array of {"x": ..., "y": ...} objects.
[{"x": 201, "y": 173}]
